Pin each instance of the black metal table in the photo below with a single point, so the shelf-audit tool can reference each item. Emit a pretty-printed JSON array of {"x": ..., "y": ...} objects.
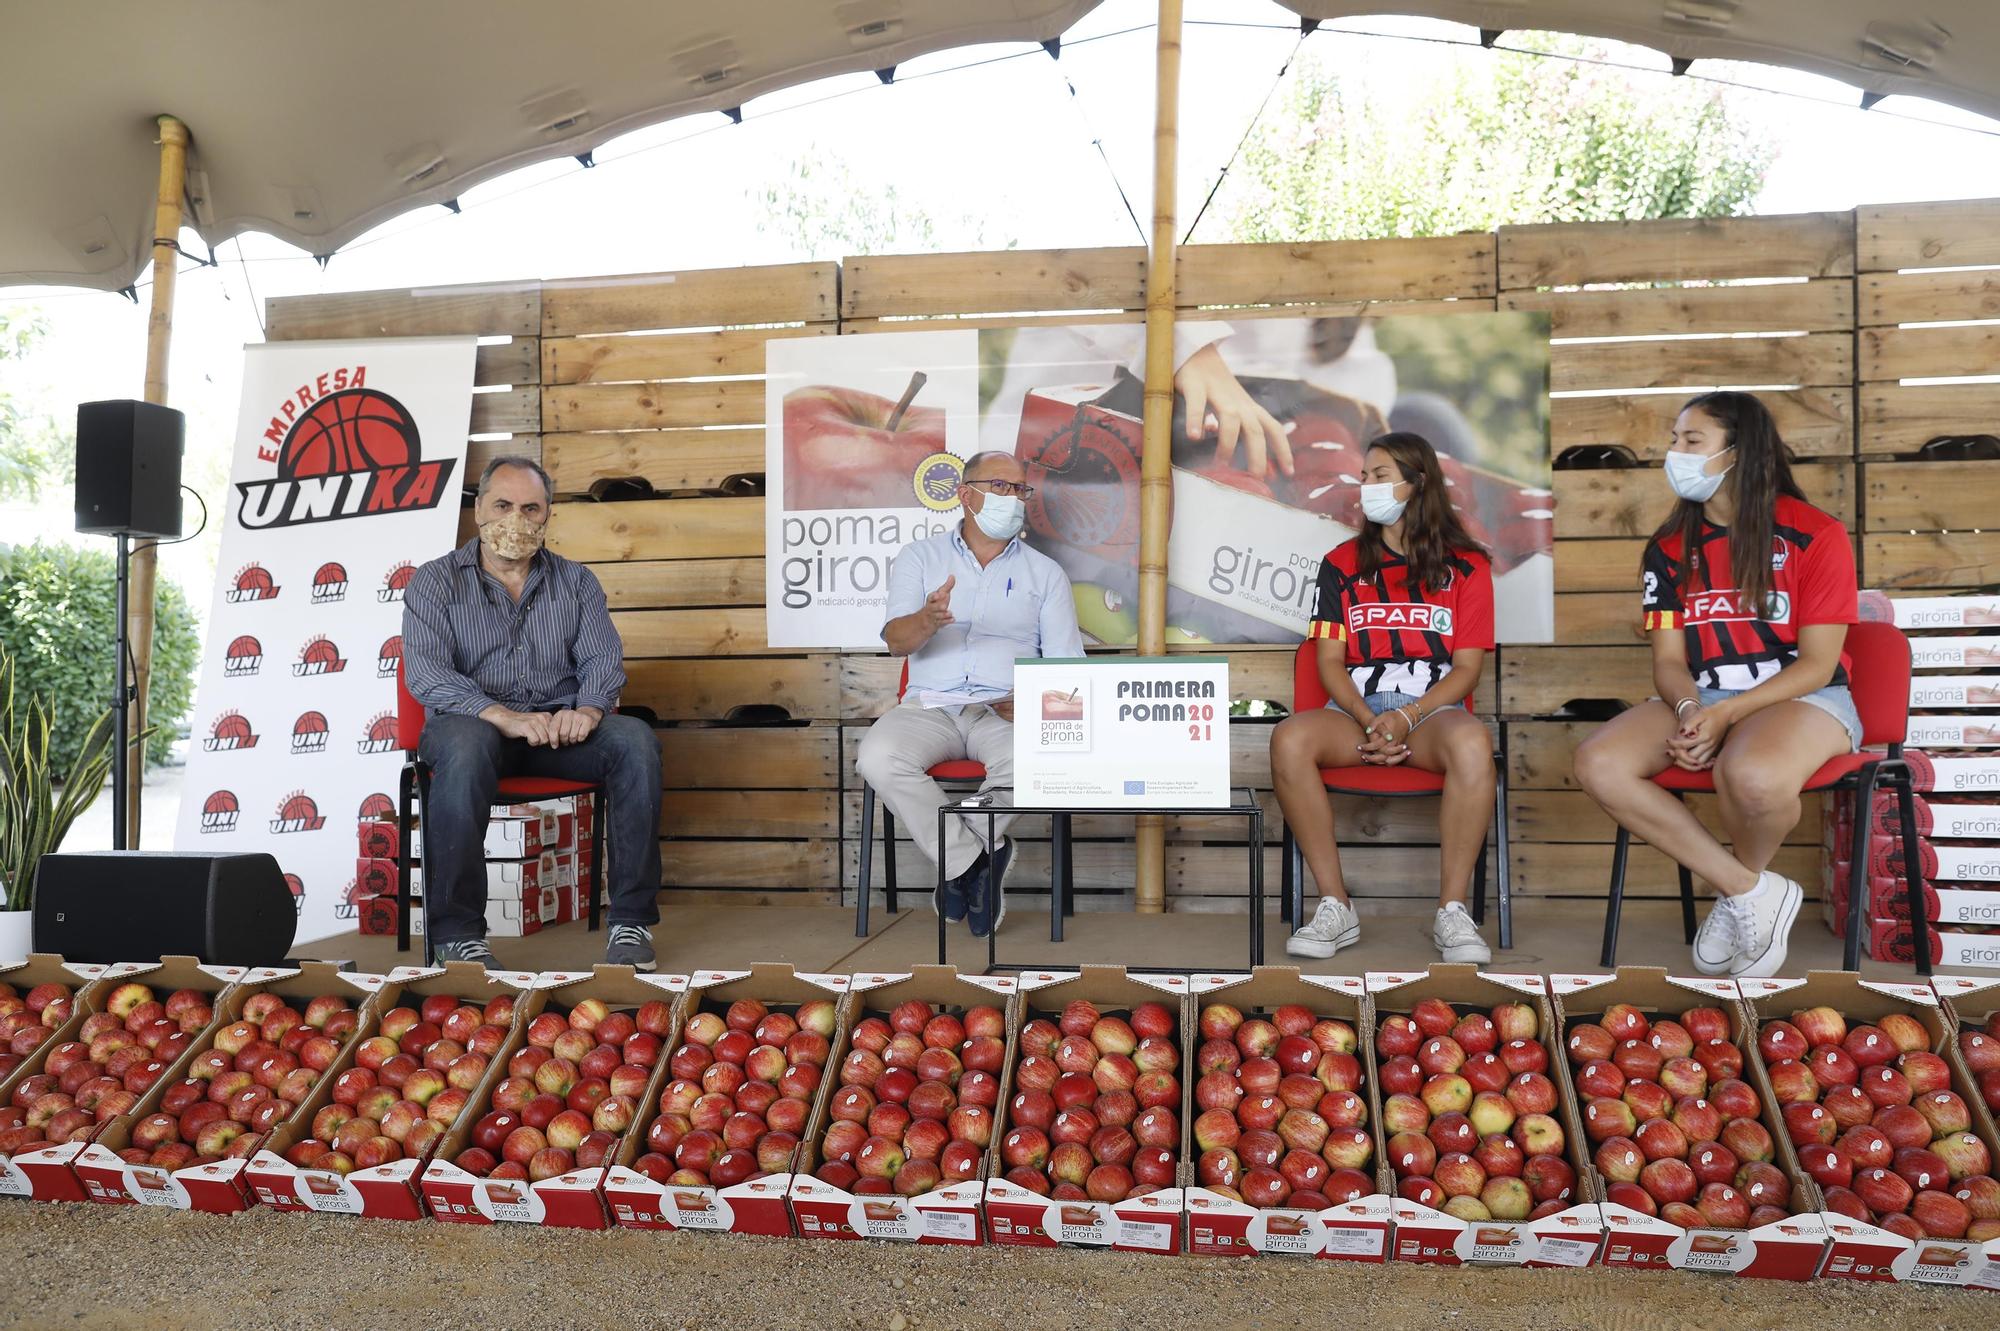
[{"x": 1243, "y": 805}]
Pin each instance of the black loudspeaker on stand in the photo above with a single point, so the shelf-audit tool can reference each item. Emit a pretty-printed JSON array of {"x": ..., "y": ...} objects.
[{"x": 136, "y": 905}]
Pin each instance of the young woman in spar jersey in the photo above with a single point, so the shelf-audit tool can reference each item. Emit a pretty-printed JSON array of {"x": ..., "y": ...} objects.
[
  {"x": 1747, "y": 592},
  {"x": 1403, "y": 620}
]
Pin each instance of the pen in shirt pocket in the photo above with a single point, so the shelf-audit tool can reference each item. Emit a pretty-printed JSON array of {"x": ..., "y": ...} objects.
[{"x": 1010, "y": 588}]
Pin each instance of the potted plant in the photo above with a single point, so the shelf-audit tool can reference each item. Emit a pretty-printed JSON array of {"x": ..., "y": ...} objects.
[{"x": 35, "y": 815}]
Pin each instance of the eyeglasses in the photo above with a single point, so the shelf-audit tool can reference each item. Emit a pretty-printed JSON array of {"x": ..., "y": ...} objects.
[{"x": 1014, "y": 488}]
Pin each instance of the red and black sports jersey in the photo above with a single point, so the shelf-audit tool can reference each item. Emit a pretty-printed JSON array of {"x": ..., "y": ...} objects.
[
  {"x": 1728, "y": 645},
  {"x": 1396, "y": 639}
]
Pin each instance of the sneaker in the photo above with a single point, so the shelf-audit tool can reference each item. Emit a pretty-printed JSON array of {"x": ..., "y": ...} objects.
[
  {"x": 986, "y": 897},
  {"x": 1334, "y": 926},
  {"x": 1457, "y": 937},
  {"x": 949, "y": 900},
  {"x": 1715, "y": 942},
  {"x": 464, "y": 949},
  {"x": 630, "y": 945},
  {"x": 1764, "y": 927}
]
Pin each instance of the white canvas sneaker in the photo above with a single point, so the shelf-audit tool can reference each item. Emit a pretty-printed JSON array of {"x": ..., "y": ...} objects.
[
  {"x": 1457, "y": 937},
  {"x": 1764, "y": 927},
  {"x": 1334, "y": 926},
  {"x": 1715, "y": 941}
]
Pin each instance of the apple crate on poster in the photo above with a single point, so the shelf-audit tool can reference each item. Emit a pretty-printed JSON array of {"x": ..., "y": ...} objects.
[
  {"x": 1305, "y": 1045},
  {"x": 1421, "y": 1017},
  {"x": 1067, "y": 1025},
  {"x": 927, "y": 1150},
  {"x": 678, "y": 1175}
]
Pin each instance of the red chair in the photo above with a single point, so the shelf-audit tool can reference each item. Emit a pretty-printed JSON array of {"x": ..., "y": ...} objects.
[
  {"x": 415, "y": 780},
  {"x": 957, "y": 771},
  {"x": 1400, "y": 782},
  {"x": 1880, "y": 683}
]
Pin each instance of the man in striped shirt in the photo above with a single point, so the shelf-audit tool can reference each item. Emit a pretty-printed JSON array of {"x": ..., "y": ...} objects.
[{"x": 512, "y": 652}]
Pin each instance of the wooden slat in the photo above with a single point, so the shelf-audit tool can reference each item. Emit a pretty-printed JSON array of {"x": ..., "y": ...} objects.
[
  {"x": 1338, "y": 270},
  {"x": 701, "y": 298},
  {"x": 1570, "y": 816},
  {"x": 747, "y": 898},
  {"x": 605, "y": 360},
  {"x": 1598, "y": 618},
  {"x": 749, "y": 757},
  {"x": 1814, "y": 358},
  {"x": 1931, "y": 496},
  {"x": 1893, "y": 298},
  {"x": 1930, "y": 353},
  {"x": 1634, "y": 501},
  {"x": 479, "y": 452},
  {"x": 1541, "y": 754},
  {"x": 1349, "y": 309},
  {"x": 1957, "y": 233},
  {"x": 659, "y": 529},
  {"x": 486, "y": 308},
  {"x": 1599, "y": 566},
  {"x": 1378, "y": 822},
  {"x": 509, "y": 411},
  {"x": 1930, "y": 559},
  {"x": 656, "y": 584},
  {"x": 1896, "y": 419},
  {"x": 1544, "y": 870},
  {"x": 664, "y": 459},
  {"x": 516, "y": 361},
  {"x": 1814, "y": 421},
  {"x": 709, "y": 631},
  {"x": 1537, "y": 680},
  {"x": 1706, "y": 249},
  {"x": 663, "y": 406},
  {"x": 711, "y": 690},
  {"x": 746, "y": 813},
  {"x": 776, "y": 865},
  {"x": 1823, "y": 306},
  {"x": 890, "y": 284}
]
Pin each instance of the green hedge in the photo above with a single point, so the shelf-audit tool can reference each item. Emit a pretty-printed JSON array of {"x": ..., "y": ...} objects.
[{"x": 58, "y": 611}]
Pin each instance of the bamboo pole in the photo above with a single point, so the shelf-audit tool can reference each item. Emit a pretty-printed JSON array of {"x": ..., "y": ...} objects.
[
  {"x": 1155, "y": 469},
  {"x": 167, "y": 208}
]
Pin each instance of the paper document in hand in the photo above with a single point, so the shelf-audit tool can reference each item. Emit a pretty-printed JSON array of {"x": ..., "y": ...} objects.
[{"x": 949, "y": 698}]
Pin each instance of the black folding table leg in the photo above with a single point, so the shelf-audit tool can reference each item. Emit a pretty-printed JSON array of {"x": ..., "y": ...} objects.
[
  {"x": 1616, "y": 898},
  {"x": 1058, "y": 849},
  {"x": 1913, "y": 871},
  {"x": 1857, "y": 869}
]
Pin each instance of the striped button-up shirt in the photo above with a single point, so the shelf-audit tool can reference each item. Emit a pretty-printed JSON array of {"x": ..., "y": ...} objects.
[{"x": 468, "y": 644}]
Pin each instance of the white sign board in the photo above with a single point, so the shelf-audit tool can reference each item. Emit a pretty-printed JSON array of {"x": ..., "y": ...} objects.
[{"x": 1122, "y": 732}]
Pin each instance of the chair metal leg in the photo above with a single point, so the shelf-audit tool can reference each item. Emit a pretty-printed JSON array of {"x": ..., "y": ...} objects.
[
  {"x": 424, "y": 802},
  {"x": 1616, "y": 900},
  {"x": 889, "y": 859},
  {"x": 1913, "y": 871},
  {"x": 404, "y": 788},
  {"x": 1857, "y": 869},
  {"x": 1687, "y": 903},
  {"x": 600, "y": 817},
  {"x": 1058, "y": 852},
  {"x": 1479, "y": 886},
  {"x": 1298, "y": 858},
  {"x": 866, "y": 872},
  {"x": 1504, "y": 877},
  {"x": 1286, "y": 877},
  {"x": 1068, "y": 869}
]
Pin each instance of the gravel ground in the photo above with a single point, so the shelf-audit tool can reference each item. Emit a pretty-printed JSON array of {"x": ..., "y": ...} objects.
[{"x": 89, "y": 1266}]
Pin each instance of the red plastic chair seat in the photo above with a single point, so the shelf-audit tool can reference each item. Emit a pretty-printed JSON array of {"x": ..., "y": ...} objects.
[
  {"x": 1402, "y": 779},
  {"x": 542, "y": 787},
  {"x": 958, "y": 769},
  {"x": 1831, "y": 773}
]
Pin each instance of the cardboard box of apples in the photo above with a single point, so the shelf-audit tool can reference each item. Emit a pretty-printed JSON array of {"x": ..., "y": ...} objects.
[
  {"x": 1688, "y": 1150},
  {"x": 435, "y": 1043},
  {"x": 276, "y": 1037},
  {"x": 537, "y": 1150},
  {"x": 718, "y": 1135},
  {"x": 900, "y": 1146},
  {"x": 1486, "y": 1150},
  {"x": 1093, "y": 1043},
  {"x": 1284, "y": 1111},
  {"x": 1873, "y": 1077},
  {"x": 47, "y": 1115}
]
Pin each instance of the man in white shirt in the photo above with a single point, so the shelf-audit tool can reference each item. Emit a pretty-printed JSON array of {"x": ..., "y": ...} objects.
[{"x": 962, "y": 606}]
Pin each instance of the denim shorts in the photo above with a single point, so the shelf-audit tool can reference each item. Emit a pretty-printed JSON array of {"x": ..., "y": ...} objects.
[
  {"x": 1835, "y": 700},
  {"x": 1387, "y": 700}
]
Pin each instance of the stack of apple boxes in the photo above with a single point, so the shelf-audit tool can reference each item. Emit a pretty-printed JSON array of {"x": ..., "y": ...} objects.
[
  {"x": 1958, "y": 784},
  {"x": 538, "y": 859}
]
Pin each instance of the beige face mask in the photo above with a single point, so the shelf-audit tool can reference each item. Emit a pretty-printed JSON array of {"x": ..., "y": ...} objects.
[{"x": 512, "y": 537}]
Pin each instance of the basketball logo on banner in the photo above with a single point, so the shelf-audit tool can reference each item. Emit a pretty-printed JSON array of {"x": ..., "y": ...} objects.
[{"x": 345, "y": 480}]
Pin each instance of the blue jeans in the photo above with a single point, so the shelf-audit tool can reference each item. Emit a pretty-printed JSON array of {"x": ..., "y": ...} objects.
[
  {"x": 1835, "y": 700},
  {"x": 467, "y": 758}
]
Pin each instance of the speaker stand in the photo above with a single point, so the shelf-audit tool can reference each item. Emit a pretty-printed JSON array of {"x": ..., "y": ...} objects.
[{"x": 121, "y": 700}]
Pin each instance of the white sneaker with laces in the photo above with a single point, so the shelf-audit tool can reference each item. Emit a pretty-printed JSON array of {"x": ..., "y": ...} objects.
[
  {"x": 1764, "y": 927},
  {"x": 1457, "y": 937},
  {"x": 1715, "y": 941},
  {"x": 1334, "y": 926}
]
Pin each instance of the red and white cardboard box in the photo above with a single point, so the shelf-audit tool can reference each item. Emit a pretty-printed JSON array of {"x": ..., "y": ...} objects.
[
  {"x": 1981, "y": 652},
  {"x": 1953, "y": 774},
  {"x": 565, "y": 822},
  {"x": 1861, "y": 1251},
  {"x": 1573, "y": 1236},
  {"x": 753, "y": 1207},
  {"x": 501, "y": 875},
  {"x": 947, "y": 1214},
  {"x": 1945, "y": 612},
  {"x": 1356, "y": 1231},
  {"x": 1967, "y": 999},
  {"x": 1151, "y": 1223},
  {"x": 515, "y": 833}
]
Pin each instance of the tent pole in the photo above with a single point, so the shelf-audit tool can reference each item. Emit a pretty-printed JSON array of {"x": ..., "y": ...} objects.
[
  {"x": 1155, "y": 472},
  {"x": 167, "y": 210}
]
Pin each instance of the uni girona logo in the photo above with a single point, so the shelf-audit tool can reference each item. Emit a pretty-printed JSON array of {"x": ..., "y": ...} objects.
[
  {"x": 229, "y": 732},
  {"x": 320, "y": 656},
  {"x": 380, "y": 737},
  {"x": 395, "y": 581},
  {"x": 329, "y": 584},
  {"x": 376, "y": 807},
  {"x": 219, "y": 812},
  {"x": 390, "y": 658},
  {"x": 253, "y": 583},
  {"x": 243, "y": 659},
  {"x": 309, "y": 733},
  {"x": 298, "y": 813},
  {"x": 342, "y": 451}
]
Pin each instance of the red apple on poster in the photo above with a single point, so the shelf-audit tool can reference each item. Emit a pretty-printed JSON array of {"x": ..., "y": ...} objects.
[{"x": 842, "y": 452}]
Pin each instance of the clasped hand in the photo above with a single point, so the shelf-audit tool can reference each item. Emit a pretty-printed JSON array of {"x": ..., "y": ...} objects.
[
  {"x": 1383, "y": 743},
  {"x": 1697, "y": 741}
]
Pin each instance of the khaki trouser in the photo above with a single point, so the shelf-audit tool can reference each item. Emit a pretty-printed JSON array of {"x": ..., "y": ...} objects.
[{"x": 900, "y": 749}]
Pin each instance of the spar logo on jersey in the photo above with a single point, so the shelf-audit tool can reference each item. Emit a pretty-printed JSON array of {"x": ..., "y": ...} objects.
[
  {"x": 1724, "y": 605},
  {"x": 1412, "y": 615},
  {"x": 253, "y": 583},
  {"x": 320, "y": 656},
  {"x": 390, "y": 659},
  {"x": 244, "y": 657},
  {"x": 298, "y": 891},
  {"x": 229, "y": 732},
  {"x": 298, "y": 813},
  {"x": 342, "y": 450},
  {"x": 309, "y": 733},
  {"x": 376, "y": 807},
  {"x": 219, "y": 812},
  {"x": 329, "y": 584},
  {"x": 380, "y": 737},
  {"x": 395, "y": 581}
]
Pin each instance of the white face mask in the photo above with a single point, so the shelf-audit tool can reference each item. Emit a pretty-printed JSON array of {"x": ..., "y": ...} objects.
[
  {"x": 1688, "y": 474},
  {"x": 1001, "y": 517},
  {"x": 1380, "y": 504}
]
